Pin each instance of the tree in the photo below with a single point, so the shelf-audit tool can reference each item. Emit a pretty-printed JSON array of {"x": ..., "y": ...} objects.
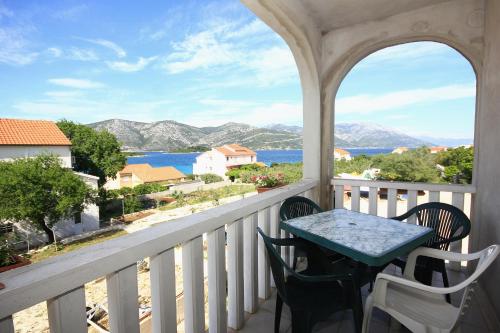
[
  {"x": 40, "y": 191},
  {"x": 458, "y": 164},
  {"x": 209, "y": 178},
  {"x": 416, "y": 165},
  {"x": 96, "y": 152}
]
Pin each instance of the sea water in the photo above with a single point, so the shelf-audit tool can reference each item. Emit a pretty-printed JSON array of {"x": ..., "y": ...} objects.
[{"x": 184, "y": 161}]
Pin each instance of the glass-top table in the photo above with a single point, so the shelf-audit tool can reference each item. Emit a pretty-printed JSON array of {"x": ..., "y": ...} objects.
[{"x": 372, "y": 240}]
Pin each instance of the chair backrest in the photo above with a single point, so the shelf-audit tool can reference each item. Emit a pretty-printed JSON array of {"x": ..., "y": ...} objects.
[
  {"x": 448, "y": 222},
  {"x": 277, "y": 264},
  {"x": 486, "y": 258},
  {"x": 298, "y": 206}
]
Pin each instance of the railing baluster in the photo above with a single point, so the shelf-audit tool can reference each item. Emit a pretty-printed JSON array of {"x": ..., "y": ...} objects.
[
  {"x": 67, "y": 312},
  {"x": 250, "y": 263},
  {"x": 217, "y": 281},
  {"x": 236, "y": 309},
  {"x": 192, "y": 273},
  {"x": 339, "y": 196},
  {"x": 392, "y": 202},
  {"x": 373, "y": 201},
  {"x": 7, "y": 325},
  {"x": 123, "y": 300},
  {"x": 412, "y": 202},
  {"x": 434, "y": 196},
  {"x": 263, "y": 260},
  {"x": 457, "y": 200},
  {"x": 163, "y": 293},
  {"x": 275, "y": 228},
  {"x": 355, "y": 198}
]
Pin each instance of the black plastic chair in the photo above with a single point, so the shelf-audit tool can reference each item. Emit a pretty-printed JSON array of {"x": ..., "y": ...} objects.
[
  {"x": 315, "y": 293},
  {"x": 449, "y": 223},
  {"x": 298, "y": 206}
]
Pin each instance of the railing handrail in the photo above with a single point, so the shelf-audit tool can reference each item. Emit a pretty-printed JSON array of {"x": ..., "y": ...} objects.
[
  {"x": 457, "y": 188},
  {"x": 30, "y": 285}
]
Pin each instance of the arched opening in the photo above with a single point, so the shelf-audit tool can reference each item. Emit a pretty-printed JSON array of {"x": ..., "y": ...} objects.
[{"x": 406, "y": 113}]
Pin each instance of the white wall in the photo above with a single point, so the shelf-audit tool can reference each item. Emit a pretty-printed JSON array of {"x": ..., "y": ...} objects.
[
  {"x": 7, "y": 153},
  {"x": 486, "y": 175},
  {"x": 211, "y": 161}
]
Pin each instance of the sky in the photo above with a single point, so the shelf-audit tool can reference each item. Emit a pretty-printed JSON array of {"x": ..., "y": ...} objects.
[{"x": 206, "y": 63}]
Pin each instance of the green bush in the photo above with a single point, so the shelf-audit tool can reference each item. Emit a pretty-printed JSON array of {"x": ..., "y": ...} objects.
[
  {"x": 209, "y": 178},
  {"x": 148, "y": 188},
  {"x": 132, "y": 204}
]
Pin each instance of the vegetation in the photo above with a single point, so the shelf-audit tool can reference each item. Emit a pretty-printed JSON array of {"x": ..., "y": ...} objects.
[
  {"x": 6, "y": 252},
  {"x": 417, "y": 165},
  {"x": 53, "y": 251},
  {"x": 292, "y": 172},
  {"x": 205, "y": 196},
  {"x": 209, "y": 178},
  {"x": 191, "y": 149},
  {"x": 41, "y": 191},
  {"x": 458, "y": 164},
  {"x": 271, "y": 180},
  {"x": 96, "y": 152},
  {"x": 236, "y": 172}
]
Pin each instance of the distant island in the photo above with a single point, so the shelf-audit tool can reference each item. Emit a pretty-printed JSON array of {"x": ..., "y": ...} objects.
[
  {"x": 191, "y": 149},
  {"x": 172, "y": 136}
]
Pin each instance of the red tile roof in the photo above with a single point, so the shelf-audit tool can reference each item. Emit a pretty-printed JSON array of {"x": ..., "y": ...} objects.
[
  {"x": 342, "y": 152},
  {"x": 31, "y": 133},
  {"x": 235, "y": 150},
  {"x": 149, "y": 174}
]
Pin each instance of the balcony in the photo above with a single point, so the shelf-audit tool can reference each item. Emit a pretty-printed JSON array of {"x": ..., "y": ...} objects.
[{"x": 239, "y": 288}]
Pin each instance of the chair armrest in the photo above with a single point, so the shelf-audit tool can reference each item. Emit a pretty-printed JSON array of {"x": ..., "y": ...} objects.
[
  {"x": 383, "y": 279},
  {"x": 409, "y": 272},
  {"x": 320, "y": 278}
]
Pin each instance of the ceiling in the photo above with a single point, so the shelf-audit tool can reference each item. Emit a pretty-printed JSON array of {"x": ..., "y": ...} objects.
[{"x": 334, "y": 14}]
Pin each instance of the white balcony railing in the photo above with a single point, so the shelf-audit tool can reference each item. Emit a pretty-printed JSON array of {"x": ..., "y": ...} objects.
[
  {"x": 388, "y": 199},
  {"x": 60, "y": 280}
]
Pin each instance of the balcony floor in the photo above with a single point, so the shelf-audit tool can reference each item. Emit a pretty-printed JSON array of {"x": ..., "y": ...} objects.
[{"x": 476, "y": 320}]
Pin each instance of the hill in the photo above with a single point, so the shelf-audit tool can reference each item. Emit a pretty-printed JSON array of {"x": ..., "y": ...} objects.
[{"x": 168, "y": 135}]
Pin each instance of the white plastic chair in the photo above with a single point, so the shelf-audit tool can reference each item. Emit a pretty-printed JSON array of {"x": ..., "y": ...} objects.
[{"x": 423, "y": 308}]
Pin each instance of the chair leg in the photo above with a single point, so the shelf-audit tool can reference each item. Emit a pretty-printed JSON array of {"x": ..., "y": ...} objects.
[
  {"x": 446, "y": 284},
  {"x": 368, "y": 314},
  {"x": 277, "y": 314},
  {"x": 301, "y": 322}
]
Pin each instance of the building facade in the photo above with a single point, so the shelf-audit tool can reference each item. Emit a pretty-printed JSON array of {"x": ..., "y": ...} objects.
[
  {"x": 30, "y": 138},
  {"x": 136, "y": 174},
  {"x": 219, "y": 160}
]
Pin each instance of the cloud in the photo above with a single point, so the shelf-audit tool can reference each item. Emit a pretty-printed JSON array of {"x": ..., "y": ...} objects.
[
  {"x": 76, "y": 83},
  {"x": 15, "y": 48},
  {"x": 120, "y": 52},
  {"x": 393, "y": 100},
  {"x": 248, "y": 112},
  {"x": 130, "y": 67},
  {"x": 248, "y": 52},
  {"x": 82, "y": 54},
  {"x": 5, "y": 12},
  {"x": 63, "y": 94},
  {"x": 405, "y": 52},
  {"x": 201, "y": 50},
  {"x": 54, "y": 52},
  {"x": 70, "y": 13}
]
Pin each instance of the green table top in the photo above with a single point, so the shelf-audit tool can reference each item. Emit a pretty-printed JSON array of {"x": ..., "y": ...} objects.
[{"x": 370, "y": 239}]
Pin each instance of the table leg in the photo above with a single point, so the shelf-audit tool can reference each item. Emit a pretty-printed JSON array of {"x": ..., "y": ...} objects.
[{"x": 357, "y": 306}]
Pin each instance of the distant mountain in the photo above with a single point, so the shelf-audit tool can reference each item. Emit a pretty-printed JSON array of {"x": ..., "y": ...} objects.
[
  {"x": 374, "y": 135},
  {"x": 285, "y": 128},
  {"x": 169, "y": 135},
  {"x": 447, "y": 142}
]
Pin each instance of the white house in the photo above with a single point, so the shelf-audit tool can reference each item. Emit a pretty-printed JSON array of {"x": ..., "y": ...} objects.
[
  {"x": 219, "y": 160},
  {"x": 339, "y": 154},
  {"x": 29, "y": 138}
]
